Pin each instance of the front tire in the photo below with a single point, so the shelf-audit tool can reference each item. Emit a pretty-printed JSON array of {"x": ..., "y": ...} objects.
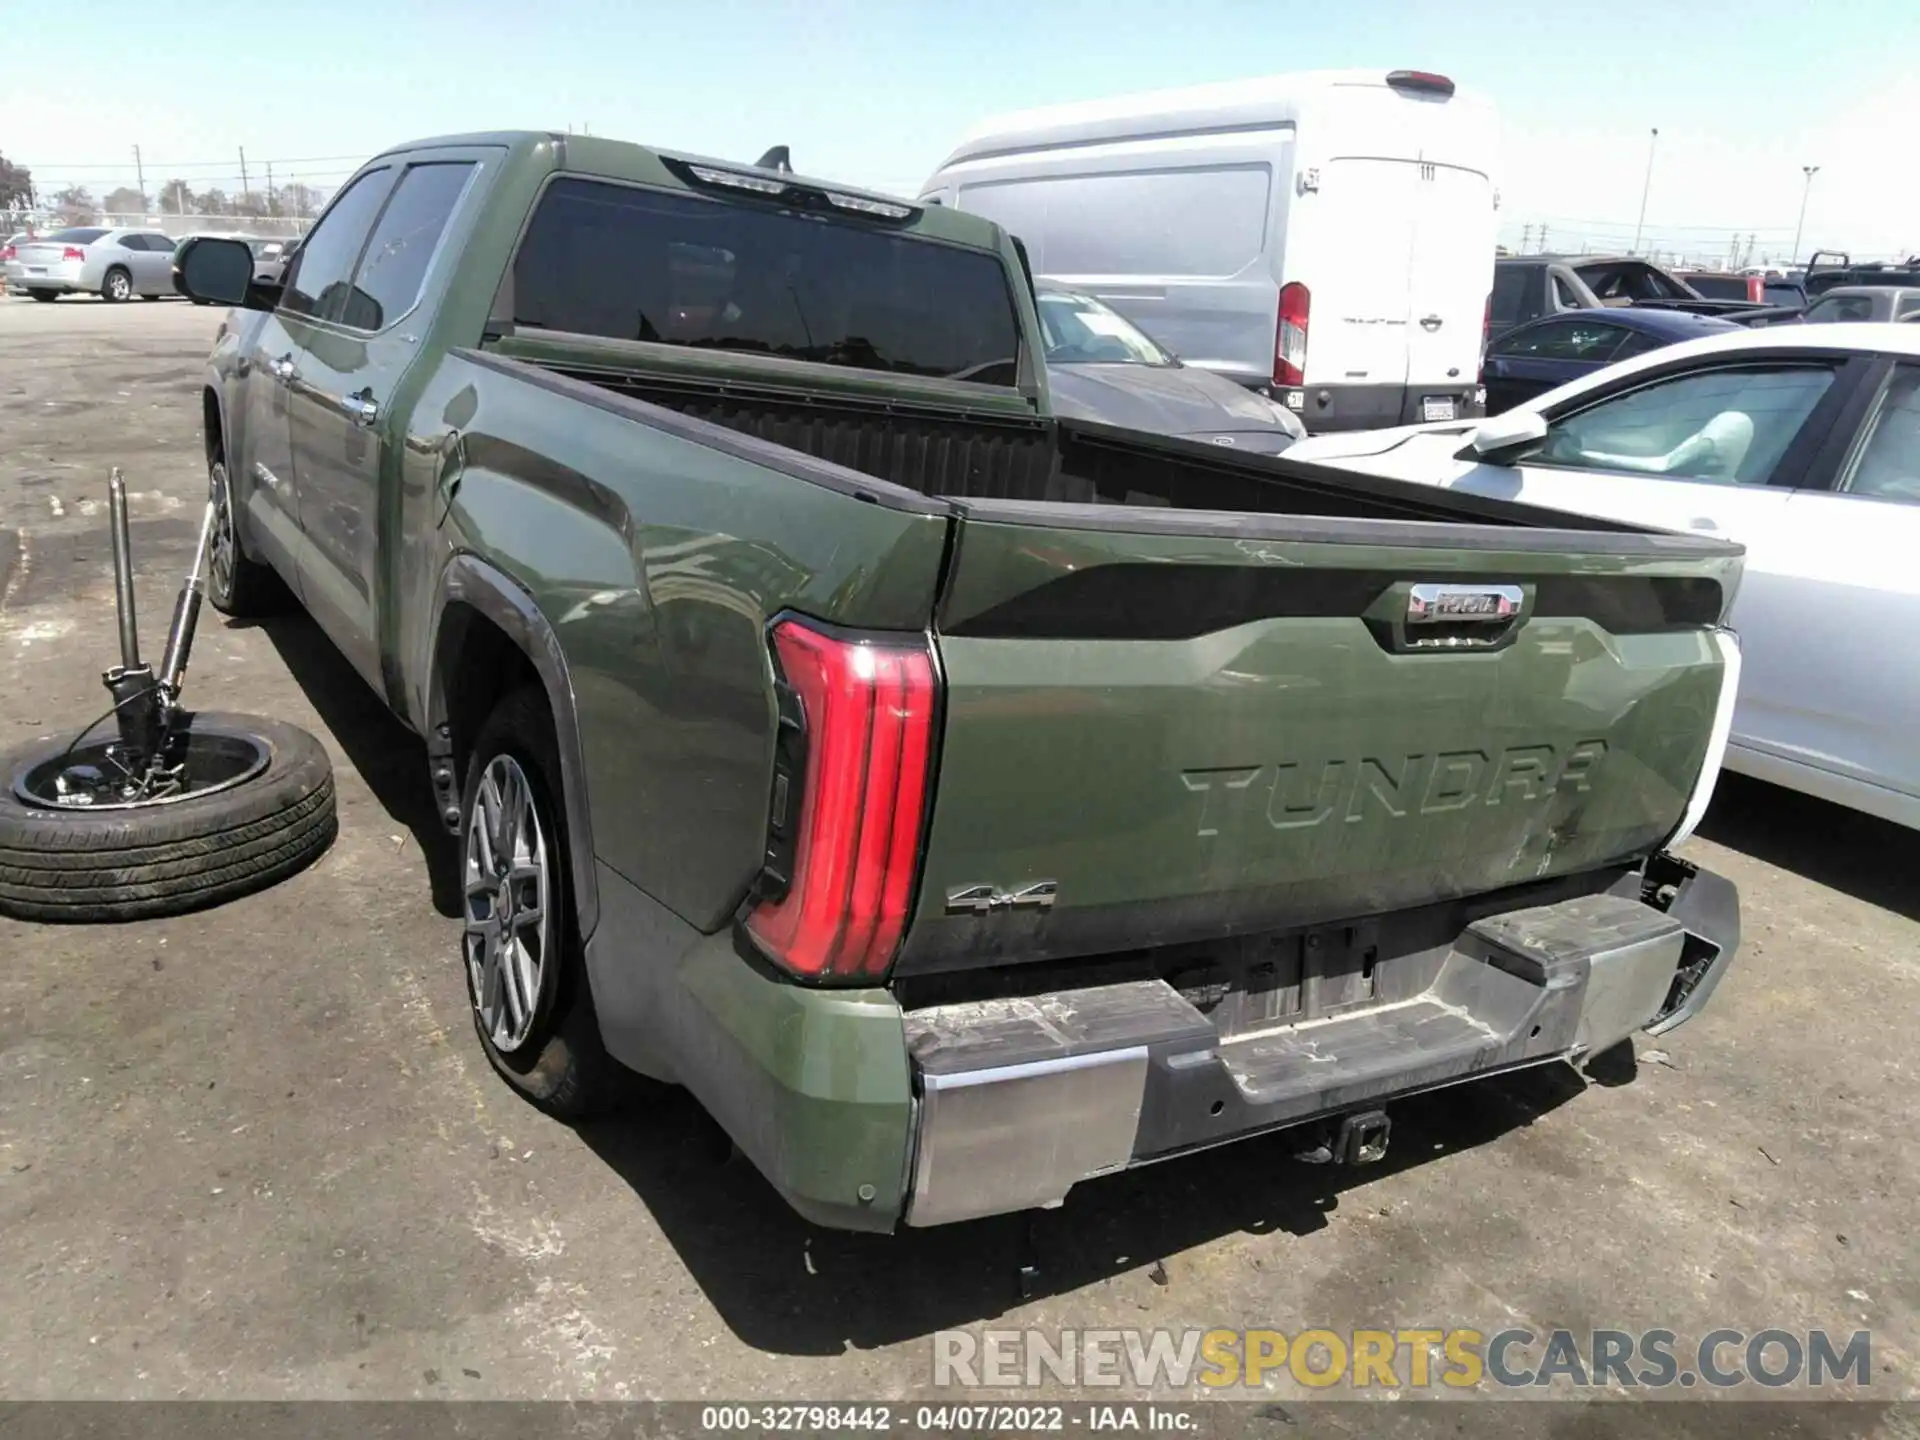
[
  {"x": 117, "y": 286},
  {"x": 526, "y": 977},
  {"x": 236, "y": 585}
]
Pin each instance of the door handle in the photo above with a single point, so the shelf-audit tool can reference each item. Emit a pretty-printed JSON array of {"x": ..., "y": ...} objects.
[
  {"x": 1431, "y": 323},
  {"x": 282, "y": 368},
  {"x": 361, "y": 408}
]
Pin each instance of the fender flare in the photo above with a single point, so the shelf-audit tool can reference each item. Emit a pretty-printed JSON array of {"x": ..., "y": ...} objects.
[{"x": 490, "y": 591}]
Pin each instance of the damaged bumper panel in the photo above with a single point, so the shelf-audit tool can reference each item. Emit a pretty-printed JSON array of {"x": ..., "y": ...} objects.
[{"x": 1020, "y": 1099}]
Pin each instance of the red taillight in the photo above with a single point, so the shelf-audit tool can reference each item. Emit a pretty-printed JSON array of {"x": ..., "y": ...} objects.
[
  {"x": 1756, "y": 287},
  {"x": 865, "y": 723},
  {"x": 73, "y": 252},
  {"x": 1486, "y": 338},
  {"x": 1290, "y": 337},
  {"x": 6, "y": 252}
]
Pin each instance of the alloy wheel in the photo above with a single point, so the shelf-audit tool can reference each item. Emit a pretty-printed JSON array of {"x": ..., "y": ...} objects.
[
  {"x": 508, "y": 878},
  {"x": 220, "y": 561}
]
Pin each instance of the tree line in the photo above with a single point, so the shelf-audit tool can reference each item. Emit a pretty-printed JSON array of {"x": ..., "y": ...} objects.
[{"x": 74, "y": 204}]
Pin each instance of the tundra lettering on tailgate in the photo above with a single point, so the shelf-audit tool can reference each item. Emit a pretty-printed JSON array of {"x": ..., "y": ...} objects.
[{"x": 1298, "y": 794}]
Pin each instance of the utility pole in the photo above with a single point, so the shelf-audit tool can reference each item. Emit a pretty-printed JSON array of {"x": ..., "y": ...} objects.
[
  {"x": 273, "y": 207},
  {"x": 1644, "y": 190},
  {"x": 243, "y": 173},
  {"x": 1543, "y": 237},
  {"x": 140, "y": 171},
  {"x": 1805, "y": 190}
]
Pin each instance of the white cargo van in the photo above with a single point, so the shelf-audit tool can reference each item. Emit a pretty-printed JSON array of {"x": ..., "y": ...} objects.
[{"x": 1327, "y": 237}]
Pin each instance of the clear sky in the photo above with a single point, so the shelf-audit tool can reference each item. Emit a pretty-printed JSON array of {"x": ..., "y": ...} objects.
[{"x": 875, "y": 91}]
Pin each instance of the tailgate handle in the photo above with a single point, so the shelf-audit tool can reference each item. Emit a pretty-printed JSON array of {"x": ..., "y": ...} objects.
[
  {"x": 1448, "y": 615},
  {"x": 1431, "y": 323}
]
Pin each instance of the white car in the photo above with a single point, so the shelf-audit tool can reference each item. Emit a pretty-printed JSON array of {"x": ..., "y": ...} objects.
[{"x": 1802, "y": 444}]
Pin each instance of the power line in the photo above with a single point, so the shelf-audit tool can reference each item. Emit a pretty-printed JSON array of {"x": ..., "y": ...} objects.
[{"x": 63, "y": 167}]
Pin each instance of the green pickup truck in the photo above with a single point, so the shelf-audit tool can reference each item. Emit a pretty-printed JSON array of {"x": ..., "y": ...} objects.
[{"x": 962, "y": 803}]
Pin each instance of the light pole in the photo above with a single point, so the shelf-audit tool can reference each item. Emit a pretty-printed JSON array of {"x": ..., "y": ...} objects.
[
  {"x": 1644, "y": 189},
  {"x": 1805, "y": 190}
]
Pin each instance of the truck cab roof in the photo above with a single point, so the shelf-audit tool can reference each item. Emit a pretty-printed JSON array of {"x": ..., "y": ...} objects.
[{"x": 596, "y": 155}]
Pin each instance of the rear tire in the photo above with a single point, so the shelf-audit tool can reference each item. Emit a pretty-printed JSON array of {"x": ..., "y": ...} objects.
[
  {"x": 236, "y": 585},
  {"x": 116, "y": 286},
  {"x": 553, "y": 1055},
  {"x": 82, "y": 866},
  {"x": 45, "y": 295}
]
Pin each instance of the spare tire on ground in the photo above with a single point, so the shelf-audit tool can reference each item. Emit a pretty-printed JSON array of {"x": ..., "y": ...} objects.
[{"x": 259, "y": 805}]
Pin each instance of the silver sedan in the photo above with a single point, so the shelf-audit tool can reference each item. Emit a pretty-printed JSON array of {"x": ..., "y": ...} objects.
[{"x": 113, "y": 264}]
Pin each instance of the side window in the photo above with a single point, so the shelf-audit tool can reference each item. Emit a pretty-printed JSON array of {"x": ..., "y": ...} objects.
[
  {"x": 1726, "y": 427},
  {"x": 317, "y": 281},
  {"x": 1838, "y": 308},
  {"x": 388, "y": 281},
  {"x": 1638, "y": 342},
  {"x": 1565, "y": 296},
  {"x": 1886, "y": 463},
  {"x": 1907, "y": 307},
  {"x": 1564, "y": 340}
]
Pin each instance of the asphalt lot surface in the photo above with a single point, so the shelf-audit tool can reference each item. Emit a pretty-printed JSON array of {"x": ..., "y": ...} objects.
[{"x": 256, "y": 1152}]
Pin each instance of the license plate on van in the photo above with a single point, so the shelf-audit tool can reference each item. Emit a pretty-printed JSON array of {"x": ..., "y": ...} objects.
[{"x": 1436, "y": 407}]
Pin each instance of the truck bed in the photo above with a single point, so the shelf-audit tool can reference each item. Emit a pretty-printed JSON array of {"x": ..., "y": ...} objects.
[{"x": 953, "y": 451}]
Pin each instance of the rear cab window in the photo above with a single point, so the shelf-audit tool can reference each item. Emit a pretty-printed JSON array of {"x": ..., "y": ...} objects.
[{"x": 630, "y": 263}]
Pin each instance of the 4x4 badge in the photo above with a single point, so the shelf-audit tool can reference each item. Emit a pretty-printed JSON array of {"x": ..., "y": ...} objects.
[{"x": 984, "y": 899}]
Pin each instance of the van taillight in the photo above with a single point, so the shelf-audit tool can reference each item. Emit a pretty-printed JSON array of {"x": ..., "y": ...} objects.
[
  {"x": 1486, "y": 338},
  {"x": 1290, "y": 338},
  {"x": 849, "y": 795},
  {"x": 1756, "y": 287}
]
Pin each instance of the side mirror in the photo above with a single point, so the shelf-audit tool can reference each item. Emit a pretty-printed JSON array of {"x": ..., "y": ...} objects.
[
  {"x": 217, "y": 271},
  {"x": 1503, "y": 438}
]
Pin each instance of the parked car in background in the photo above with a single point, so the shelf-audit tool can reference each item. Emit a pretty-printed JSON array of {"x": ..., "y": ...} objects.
[
  {"x": 91, "y": 260},
  {"x": 12, "y": 243},
  {"x": 1752, "y": 287},
  {"x": 1723, "y": 284},
  {"x": 1100, "y": 366},
  {"x": 1544, "y": 354},
  {"x": 1803, "y": 444},
  {"x": 269, "y": 258},
  {"x": 1326, "y": 237},
  {"x": 1864, "y": 302},
  {"x": 1527, "y": 287},
  {"x": 1830, "y": 269}
]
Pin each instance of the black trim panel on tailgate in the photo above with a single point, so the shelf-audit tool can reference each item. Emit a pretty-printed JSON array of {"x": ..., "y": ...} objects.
[{"x": 1181, "y": 602}]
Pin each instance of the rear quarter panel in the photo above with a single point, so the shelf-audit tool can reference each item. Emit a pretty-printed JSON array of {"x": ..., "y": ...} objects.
[{"x": 658, "y": 562}]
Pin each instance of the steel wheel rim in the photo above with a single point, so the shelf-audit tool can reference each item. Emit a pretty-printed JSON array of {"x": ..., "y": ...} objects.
[
  {"x": 508, "y": 875},
  {"x": 220, "y": 562},
  {"x": 119, "y": 286},
  {"x": 88, "y": 777}
]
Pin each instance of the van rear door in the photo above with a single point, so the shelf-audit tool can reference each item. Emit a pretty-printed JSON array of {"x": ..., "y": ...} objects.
[
  {"x": 1451, "y": 275},
  {"x": 1357, "y": 275}
]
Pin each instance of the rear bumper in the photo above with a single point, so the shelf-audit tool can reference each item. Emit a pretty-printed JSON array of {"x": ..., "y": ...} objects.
[
  {"x": 1324, "y": 408},
  {"x": 63, "y": 278},
  {"x": 863, "y": 1115},
  {"x": 1021, "y": 1100}
]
